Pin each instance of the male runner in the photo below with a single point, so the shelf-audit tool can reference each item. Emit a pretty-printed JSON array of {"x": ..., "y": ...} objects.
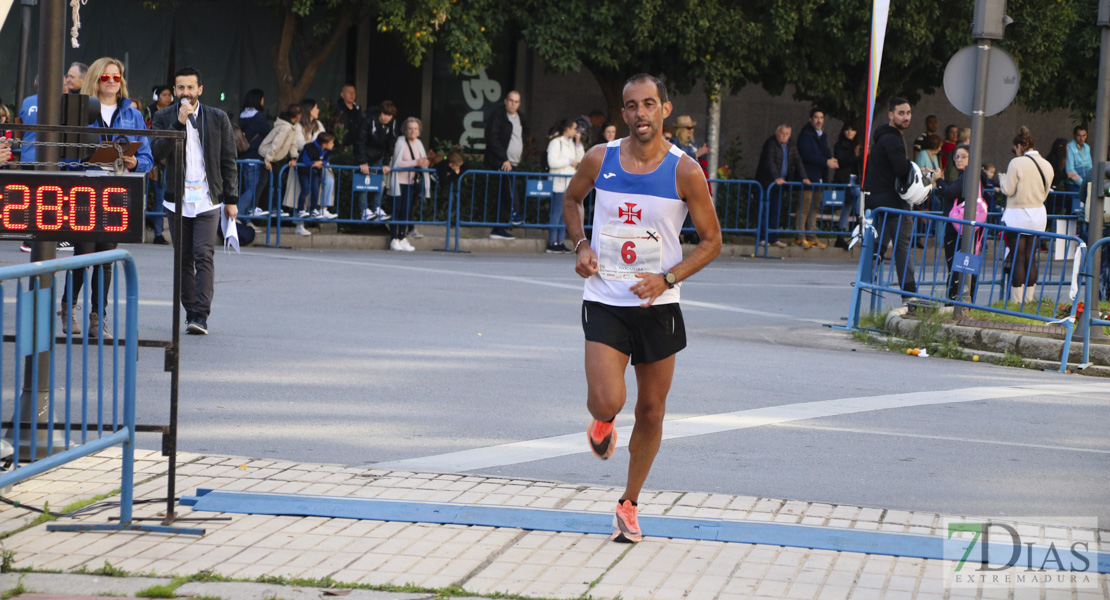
[{"x": 645, "y": 188}]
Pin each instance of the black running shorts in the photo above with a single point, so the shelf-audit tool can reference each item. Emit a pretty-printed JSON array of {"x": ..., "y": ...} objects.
[{"x": 646, "y": 334}]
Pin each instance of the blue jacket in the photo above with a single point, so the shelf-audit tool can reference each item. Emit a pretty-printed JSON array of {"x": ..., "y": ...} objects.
[
  {"x": 815, "y": 152},
  {"x": 255, "y": 128},
  {"x": 129, "y": 117},
  {"x": 312, "y": 153}
]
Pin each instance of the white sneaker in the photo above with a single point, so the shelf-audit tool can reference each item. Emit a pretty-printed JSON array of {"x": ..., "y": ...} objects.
[
  {"x": 382, "y": 216},
  {"x": 406, "y": 246},
  {"x": 258, "y": 212},
  {"x": 325, "y": 214},
  {"x": 396, "y": 244},
  {"x": 369, "y": 215},
  {"x": 304, "y": 214},
  {"x": 300, "y": 230},
  {"x": 65, "y": 247},
  {"x": 415, "y": 233}
]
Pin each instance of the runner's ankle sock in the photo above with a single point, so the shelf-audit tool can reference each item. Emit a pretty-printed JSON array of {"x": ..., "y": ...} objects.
[{"x": 623, "y": 500}]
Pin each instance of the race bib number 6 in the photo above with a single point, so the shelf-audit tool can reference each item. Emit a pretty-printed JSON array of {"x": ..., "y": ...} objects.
[{"x": 626, "y": 251}]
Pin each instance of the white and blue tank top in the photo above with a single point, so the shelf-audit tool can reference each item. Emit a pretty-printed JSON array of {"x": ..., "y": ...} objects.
[{"x": 636, "y": 226}]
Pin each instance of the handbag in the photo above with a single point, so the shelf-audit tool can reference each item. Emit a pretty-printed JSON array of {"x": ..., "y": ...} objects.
[{"x": 957, "y": 212}]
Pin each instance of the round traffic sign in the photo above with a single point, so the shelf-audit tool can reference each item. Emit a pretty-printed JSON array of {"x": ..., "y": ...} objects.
[{"x": 1002, "y": 80}]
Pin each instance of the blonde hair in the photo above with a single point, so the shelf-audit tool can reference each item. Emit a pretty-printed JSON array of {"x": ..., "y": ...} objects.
[{"x": 92, "y": 78}]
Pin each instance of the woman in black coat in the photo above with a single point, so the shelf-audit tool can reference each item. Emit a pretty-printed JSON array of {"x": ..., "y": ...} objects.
[
  {"x": 951, "y": 194},
  {"x": 846, "y": 151}
]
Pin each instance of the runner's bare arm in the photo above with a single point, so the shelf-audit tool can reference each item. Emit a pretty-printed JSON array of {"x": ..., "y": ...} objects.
[
  {"x": 693, "y": 188},
  {"x": 574, "y": 211}
]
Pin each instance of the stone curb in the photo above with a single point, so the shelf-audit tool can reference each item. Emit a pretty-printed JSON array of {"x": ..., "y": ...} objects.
[
  {"x": 128, "y": 587},
  {"x": 1027, "y": 346}
]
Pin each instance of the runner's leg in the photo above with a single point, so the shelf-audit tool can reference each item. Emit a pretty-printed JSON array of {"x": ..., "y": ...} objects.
[
  {"x": 653, "y": 383},
  {"x": 605, "y": 395}
]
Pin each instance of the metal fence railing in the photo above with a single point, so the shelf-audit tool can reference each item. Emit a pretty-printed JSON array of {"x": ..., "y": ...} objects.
[
  {"x": 70, "y": 419},
  {"x": 992, "y": 267},
  {"x": 1091, "y": 313}
]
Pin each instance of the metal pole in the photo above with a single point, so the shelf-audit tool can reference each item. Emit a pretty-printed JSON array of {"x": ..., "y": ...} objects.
[
  {"x": 34, "y": 399},
  {"x": 24, "y": 50},
  {"x": 975, "y": 150},
  {"x": 1095, "y": 201}
]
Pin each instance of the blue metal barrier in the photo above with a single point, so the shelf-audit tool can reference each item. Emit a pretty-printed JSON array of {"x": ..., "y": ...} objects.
[
  {"x": 34, "y": 336},
  {"x": 1091, "y": 300},
  {"x": 432, "y": 207},
  {"x": 807, "y": 210},
  {"x": 991, "y": 239},
  {"x": 739, "y": 205},
  {"x": 497, "y": 198}
]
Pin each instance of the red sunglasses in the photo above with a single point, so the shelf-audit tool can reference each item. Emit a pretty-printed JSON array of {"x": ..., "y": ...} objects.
[{"x": 116, "y": 78}]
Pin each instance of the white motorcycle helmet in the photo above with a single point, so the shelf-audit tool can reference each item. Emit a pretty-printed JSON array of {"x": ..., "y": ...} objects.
[{"x": 912, "y": 189}]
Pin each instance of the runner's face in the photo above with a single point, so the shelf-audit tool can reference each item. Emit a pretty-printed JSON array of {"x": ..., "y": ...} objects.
[
  {"x": 187, "y": 88},
  {"x": 642, "y": 110}
]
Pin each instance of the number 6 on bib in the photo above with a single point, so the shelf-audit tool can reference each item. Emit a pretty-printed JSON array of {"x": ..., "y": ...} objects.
[{"x": 626, "y": 251}]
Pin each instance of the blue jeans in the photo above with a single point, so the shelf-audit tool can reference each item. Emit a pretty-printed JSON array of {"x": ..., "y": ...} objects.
[
  {"x": 248, "y": 184},
  {"x": 327, "y": 193},
  {"x": 851, "y": 207},
  {"x": 307, "y": 179},
  {"x": 360, "y": 197},
  {"x": 772, "y": 220},
  {"x": 558, "y": 231},
  {"x": 401, "y": 206}
]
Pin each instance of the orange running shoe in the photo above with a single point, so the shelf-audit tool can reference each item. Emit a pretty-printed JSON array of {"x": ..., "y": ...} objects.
[
  {"x": 603, "y": 439},
  {"x": 627, "y": 526}
]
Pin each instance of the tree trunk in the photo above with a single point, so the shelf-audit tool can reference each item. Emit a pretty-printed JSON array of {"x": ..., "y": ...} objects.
[
  {"x": 713, "y": 124},
  {"x": 290, "y": 89},
  {"x": 612, "y": 88}
]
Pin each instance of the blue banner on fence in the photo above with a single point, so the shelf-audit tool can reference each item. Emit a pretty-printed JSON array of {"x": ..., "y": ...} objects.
[
  {"x": 967, "y": 263},
  {"x": 537, "y": 187},
  {"x": 366, "y": 183},
  {"x": 833, "y": 198}
]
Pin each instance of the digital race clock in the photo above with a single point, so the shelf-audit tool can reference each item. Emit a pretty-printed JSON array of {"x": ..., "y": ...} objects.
[{"x": 82, "y": 206}]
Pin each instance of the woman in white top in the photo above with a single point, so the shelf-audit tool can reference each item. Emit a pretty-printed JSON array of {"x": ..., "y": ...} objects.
[
  {"x": 564, "y": 152},
  {"x": 408, "y": 153},
  {"x": 1026, "y": 183}
]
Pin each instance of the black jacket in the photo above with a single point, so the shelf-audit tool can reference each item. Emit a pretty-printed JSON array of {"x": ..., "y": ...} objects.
[
  {"x": 255, "y": 128},
  {"x": 886, "y": 163},
  {"x": 375, "y": 141},
  {"x": 815, "y": 153},
  {"x": 499, "y": 131},
  {"x": 845, "y": 154},
  {"x": 350, "y": 119},
  {"x": 770, "y": 162},
  {"x": 219, "y": 152}
]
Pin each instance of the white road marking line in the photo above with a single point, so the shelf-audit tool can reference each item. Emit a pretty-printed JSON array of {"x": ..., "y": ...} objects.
[
  {"x": 944, "y": 438},
  {"x": 566, "y": 445},
  {"x": 529, "y": 280}
]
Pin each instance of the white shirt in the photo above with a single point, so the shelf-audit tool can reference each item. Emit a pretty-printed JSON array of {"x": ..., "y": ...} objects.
[
  {"x": 516, "y": 142},
  {"x": 196, "y": 201},
  {"x": 106, "y": 112}
]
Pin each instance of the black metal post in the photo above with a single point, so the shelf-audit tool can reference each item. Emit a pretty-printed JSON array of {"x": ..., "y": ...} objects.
[
  {"x": 24, "y": 50},
  {"x": 1101, "y": 138}
]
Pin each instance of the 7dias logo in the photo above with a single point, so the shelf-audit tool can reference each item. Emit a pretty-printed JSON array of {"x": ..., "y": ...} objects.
[{"x": 997, "y": 555}]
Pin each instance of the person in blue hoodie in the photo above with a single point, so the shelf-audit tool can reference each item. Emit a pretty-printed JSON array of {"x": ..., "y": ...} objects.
[
  {"x": 310, "y": 167},
  {"x": 105, "y": 81}
]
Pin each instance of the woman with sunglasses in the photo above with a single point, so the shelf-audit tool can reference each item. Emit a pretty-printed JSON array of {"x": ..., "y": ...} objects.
[{"x": 105, "y": 81}]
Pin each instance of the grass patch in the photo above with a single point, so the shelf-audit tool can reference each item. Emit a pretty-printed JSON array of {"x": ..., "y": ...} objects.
[
  {"x": 873, "y": 320},
  {"x": 167, "y": 590},
  {"x": 1011, "y": 359},
  {"x": 1044, "y": 309},
  {"x": 15, "y": 591}
]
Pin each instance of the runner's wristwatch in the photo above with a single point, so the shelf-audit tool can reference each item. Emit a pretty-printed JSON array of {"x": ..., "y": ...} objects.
[{"x": 671, "y": 279}]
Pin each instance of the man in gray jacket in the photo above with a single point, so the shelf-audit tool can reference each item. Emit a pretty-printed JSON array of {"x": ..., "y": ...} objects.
[{"x": 210, "y": 183}]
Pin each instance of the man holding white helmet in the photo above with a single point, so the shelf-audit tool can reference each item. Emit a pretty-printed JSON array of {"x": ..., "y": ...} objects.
[{"x": 887, "y": 170}]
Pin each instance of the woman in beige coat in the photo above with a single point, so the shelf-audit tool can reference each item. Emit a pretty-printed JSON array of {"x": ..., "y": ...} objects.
[{"x": 1026, "y": 184}]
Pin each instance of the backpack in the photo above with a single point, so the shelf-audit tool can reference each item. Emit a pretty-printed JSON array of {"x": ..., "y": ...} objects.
[{"x": 241, "y": 143}]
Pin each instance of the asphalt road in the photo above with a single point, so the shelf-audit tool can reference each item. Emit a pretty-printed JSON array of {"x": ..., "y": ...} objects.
[{"x": 447, "y": 361}]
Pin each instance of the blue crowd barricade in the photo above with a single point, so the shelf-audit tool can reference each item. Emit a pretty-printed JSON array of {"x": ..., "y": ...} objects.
[
  {"x": 1091, "y": 316},
  {"x": 739, "y": 203},
  {"x": 993, "y": 267},
  {"x": 508, "y": 199},
  {"x": 819, "y": 209},
  {"x": 99, "y": 411},
  {"x": 352, "y": 192}
]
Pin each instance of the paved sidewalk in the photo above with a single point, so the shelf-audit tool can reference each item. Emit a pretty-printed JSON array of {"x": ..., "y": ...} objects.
[{"x": 428, "y": 561}]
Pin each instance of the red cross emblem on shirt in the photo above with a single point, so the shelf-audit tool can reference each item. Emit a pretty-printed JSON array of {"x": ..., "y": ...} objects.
[{"x": 631, "y": 214}]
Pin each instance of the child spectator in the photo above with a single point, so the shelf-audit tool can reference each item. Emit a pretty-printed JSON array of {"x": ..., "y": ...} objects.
[
  {"x": 990, "y": 185},
  {"x": 313, "y": 161}
]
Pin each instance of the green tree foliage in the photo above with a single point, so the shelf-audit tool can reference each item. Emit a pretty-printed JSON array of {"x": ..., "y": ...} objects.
[{"x": 828, "y": 61}]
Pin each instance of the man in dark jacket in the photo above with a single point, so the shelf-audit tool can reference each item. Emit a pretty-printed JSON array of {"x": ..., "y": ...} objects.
[
  {"x": 779, "y": 162},
  {"x": 210, "y": 183},
  {"x": 373, "y": 147},
  {"x": 348, "y": 114},
  {"x": 813, "y": 146},
  {"x": 505, "y": 135},
  {"x": 886, "y": 164}
]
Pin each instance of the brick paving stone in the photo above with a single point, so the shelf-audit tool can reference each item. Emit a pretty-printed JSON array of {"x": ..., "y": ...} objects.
[
  {"x": 869, "y": 514},
  {"x": 865, "y": 594}
]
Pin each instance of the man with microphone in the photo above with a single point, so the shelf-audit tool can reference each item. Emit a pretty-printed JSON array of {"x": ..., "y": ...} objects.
[{"x": 210, "y": 183}]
